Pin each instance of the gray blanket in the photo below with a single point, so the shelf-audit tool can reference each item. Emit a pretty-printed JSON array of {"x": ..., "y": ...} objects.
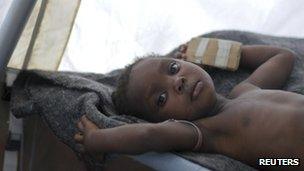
[{"x": 61, "y": 98}]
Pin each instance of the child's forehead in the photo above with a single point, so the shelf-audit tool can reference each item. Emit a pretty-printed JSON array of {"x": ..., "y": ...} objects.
[
  {"x": 155, "y": 60},
  {"x": 146, "y": 73},
  {"x": 151, "y": 63},
  {"x": 145, "y": 68}
]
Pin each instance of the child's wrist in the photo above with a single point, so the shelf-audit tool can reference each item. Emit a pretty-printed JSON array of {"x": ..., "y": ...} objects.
[
  {"x": 91, "y": 141},
  {"x": 198, "y": 133}
]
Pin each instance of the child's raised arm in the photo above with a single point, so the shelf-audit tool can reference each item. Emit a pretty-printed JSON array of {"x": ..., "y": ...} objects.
[
  {"x": 272, "y": 67},
  {"x": 136, "y": 138}
]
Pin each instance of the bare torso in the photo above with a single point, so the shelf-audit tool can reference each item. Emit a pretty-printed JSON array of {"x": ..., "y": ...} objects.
[{"x": 260, "y": 124}]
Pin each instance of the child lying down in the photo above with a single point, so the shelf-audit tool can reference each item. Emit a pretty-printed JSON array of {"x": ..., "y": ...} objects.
[{"x": 256, "y": 120}]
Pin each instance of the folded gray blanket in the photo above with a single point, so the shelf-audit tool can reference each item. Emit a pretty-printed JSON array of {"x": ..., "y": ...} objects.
[{"x": 61, "y": 98}]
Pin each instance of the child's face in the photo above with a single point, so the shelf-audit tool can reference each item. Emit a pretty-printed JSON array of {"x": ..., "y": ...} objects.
[{"x": 164, "y": 88}]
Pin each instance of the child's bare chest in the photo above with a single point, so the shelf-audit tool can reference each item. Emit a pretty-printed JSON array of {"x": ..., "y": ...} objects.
[
  {"x": 263, "y": 109},
  {"x": 272, "y": 118},
  {"x": 267, "y": 102}
]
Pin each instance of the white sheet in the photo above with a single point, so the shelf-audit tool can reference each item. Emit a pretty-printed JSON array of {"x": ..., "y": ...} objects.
[
  {"x": 108, "y": 34},
  {"x": 4, "y": 6}
]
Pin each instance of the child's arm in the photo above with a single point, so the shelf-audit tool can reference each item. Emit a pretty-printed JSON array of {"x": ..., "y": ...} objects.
[
  {"x": 136, "y": 138},
  {"x": 272, "y": 67}
]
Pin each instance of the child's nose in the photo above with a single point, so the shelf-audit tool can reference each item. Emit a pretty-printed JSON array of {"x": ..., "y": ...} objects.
[{"x": 179, "y": 83}]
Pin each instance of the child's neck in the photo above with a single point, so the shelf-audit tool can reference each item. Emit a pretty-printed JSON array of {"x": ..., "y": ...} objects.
[
  {"x": 208, "y": 125},
  {"x": 219, "y": 105}
]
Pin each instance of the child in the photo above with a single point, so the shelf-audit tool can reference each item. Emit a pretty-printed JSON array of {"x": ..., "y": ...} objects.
[{"x": 255, "y": 121}]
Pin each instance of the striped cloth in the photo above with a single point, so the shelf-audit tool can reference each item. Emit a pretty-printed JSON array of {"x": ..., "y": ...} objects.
[{"x": 224, "y": 54}]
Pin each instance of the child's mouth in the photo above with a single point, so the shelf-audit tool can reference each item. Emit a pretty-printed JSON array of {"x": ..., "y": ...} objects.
[{"x": 196, "y": 90}]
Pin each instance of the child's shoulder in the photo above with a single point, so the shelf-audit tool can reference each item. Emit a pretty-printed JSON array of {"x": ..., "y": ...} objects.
[{"x": 242, "y": 88}]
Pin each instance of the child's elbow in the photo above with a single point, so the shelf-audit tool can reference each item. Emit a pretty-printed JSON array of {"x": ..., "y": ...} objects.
[{"x": 289, "y": 56}]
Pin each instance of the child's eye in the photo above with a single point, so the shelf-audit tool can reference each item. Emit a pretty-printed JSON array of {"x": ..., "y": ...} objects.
[
  {"x": 162, "y": 98},
  {"x": 173, "y": 67}
]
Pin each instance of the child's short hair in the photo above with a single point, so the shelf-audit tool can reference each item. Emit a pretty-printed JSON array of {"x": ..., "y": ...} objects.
[{"x": 119, "y": 97}]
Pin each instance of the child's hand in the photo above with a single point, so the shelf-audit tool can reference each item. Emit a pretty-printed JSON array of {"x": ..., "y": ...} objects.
[
  {"x": 180, "y": 54},
  {"x": 85, "y": 137}
]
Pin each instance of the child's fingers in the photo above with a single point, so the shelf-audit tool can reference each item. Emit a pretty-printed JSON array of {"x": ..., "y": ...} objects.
[
  {"x": 183, "y": 48},
  {"x": 87, "y": 123},
  {"x": 80, "y": 126},
  {"x": 178, "y": 55},
  {"x": 183, "y": 57},
  {"x": 83, "y": 118},
  {"x": 78, "y": 137}
]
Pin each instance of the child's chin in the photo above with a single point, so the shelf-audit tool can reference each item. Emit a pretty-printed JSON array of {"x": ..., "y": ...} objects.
[{"x": 207, "y": 100}]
